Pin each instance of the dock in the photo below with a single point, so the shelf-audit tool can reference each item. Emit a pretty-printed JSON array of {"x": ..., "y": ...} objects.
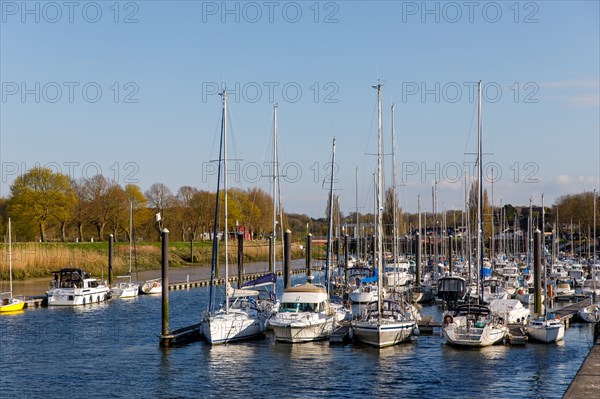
[
  {"x": 185, "y": 285},
  {"x": 568, "y": 312},
  {"x": 427, "y": 324},
  {"x": 181, "y": 336},
  {"x": 35, "y": 301},
  {"x": 586, "y": 383},
  {"x": 341, "y": 335},
  {"x": 517, "y": 335}
]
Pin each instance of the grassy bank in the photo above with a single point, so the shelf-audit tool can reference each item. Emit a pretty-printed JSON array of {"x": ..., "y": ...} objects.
[{"x": 31, "y": 260}]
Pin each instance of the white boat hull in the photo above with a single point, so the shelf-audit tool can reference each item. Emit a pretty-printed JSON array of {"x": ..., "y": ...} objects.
[
  {"x": 295, "y": 328},
  {"x": 233, "y": 326},
  {"x": 77, "y": 296},
  {"x": 590, "y": 314},
  {"x": 546, "y": 331},
  {"x": 152, "y": 287},
  {"x": 460, "y": 332},
  {"x": 125, "y": 290},
  {"x": 387, "y": 333}
]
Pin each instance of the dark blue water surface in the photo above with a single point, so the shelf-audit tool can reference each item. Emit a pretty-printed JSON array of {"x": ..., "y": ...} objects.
[{"x": 111, "y": 350}]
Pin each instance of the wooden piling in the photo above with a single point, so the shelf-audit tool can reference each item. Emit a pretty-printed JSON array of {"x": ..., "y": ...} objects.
[
  {"x": 308, "y": 255},
  {"x": 165, "y": 286},
  {"x": 240, "y": 237},
  {"x": 287, "y": 261},
  {"x": 110, "y": 259},
  {"x": 346, "y": 256}
]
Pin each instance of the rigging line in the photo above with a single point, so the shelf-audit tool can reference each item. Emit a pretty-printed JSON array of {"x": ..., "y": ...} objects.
[{"x": 467, "y": 145}]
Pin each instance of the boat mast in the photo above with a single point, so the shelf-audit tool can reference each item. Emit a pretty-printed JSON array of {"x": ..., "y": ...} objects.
[
  {"x": 394, "y": 196},
  {"x": 594, "y": 272},
  {"x": 215, "y": 250},
  {"x": 10, "y": 256},
  {"x": 356, "y": 229},
  {"x": 480, "y": 190},
  {"x": 330, "y": 224},
  {"x": 379, "y": 185},
  {"x": 418, "y": 249},
  {"x": 130, "y": 235},
  {"x": 225, "y": 199},
  {"x": 275, "y": 181}
]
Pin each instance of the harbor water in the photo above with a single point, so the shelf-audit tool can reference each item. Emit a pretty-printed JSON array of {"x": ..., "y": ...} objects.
[{"x": 111, "y": 350}]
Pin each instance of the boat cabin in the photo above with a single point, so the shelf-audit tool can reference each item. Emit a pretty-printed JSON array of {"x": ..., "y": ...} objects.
[{"x": 71, "y": 278}]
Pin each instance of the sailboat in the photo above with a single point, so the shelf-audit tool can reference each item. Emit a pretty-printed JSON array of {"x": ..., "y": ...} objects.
[
  {"x": 473, "y": 324},
  {"x": 239, "y": 318},
  {"x": 591, "y": 313},
  {"x": 127, "y": 289},
  {"x": 8, "y": 303},
  {"x": 547, "y": 327},
  {"x": 383, "y": 323}
]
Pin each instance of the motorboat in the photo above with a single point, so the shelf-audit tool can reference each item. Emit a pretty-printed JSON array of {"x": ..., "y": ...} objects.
[
  {"x": 73, "y": 287},
  {"x": 305, "y": 314}
]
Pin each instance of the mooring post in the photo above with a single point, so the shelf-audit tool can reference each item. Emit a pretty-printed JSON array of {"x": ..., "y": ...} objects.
[
  {"x": 110, "y": 259},
  {"x": 450, "y": 254},
  {"x": 537, "y": 271},
  {"x": 240, "y": 254},
  {"x": 271, "y": 252},
  {"x": 308, "y": 255},
  {"x": 165, "y": 283},
  {"x": 287, "y": 259},
  {"x": 346, "y": 257},
  {"x": 418, "y": 260}
]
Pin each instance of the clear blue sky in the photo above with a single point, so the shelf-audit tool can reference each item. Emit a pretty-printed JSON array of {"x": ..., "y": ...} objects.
[{"x": 158, "y": 65}]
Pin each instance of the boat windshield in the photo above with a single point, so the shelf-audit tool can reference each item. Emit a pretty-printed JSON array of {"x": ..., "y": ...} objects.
[{"x": 301, "y": 307}]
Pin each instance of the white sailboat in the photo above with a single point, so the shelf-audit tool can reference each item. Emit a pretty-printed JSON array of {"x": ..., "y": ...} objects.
[
  {"x": 474, "y": 325},
  {"x": 383, "y": 324},
  {"x": 8, "y": 303},
  {"x": 127, "y": 289},
  {"x": 546, "y": 328},
  {"x": 240, "y": 317}
]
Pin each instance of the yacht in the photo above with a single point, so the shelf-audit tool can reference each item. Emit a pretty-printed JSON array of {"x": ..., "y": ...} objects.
[{"x": 73, "y": 287}]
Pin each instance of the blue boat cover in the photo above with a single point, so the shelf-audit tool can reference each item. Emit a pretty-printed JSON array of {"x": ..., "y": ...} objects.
[{"x": 372, "y": 279}]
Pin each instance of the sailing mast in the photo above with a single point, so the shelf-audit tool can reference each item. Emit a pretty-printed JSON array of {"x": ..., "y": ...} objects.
[
  {"x": 394, "y": 196},
  {"x": 330, "y": 225},
  {"x": 480, "y": 191},
  {"x": 10, "y": 256},
  {"x": 379, "y": 185},
  {"x": 215, "y": 249},
  {"x": 356, "y": 229},
  {"x": 226, "y": 232},
  {"x": 275, "y": 191}
]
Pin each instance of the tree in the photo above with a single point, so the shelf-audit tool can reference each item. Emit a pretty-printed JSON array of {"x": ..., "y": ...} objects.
[
  {"x": 138, "y": 202},
  {"x": 161, "y": 199},
  {"x": 40, "y": 195},
  {"x": 106, "y": 203},
  {"x": 388, "y": 214}
]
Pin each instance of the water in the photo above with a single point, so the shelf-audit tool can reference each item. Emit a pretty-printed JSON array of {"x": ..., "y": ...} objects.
[{"x": 111, "y": 350}]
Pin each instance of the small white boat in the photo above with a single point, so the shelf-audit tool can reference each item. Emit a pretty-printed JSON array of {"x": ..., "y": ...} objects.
[
  {"x": 73, "y": 287},
  {"x": 125, "y": 290},
  {"x": 510, "y": 311},
  {"x": 305, "y": 314},
  {"x": 493, "y": 288},
  {"x": 563, "y": 291},
  {"x": 590, "y": 314},
  {"x": 546, "y": 329},
  {"x": 153, "y": 286},
  {"x": 365, "y": 293},
  {"x": 526, "y": 295}
]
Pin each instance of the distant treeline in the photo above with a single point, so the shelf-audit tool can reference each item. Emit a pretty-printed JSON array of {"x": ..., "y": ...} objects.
[{"x": 48, "y": 206}]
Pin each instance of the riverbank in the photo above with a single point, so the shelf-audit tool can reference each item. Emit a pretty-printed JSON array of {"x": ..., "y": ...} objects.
[{"x": 36, "y": 260}]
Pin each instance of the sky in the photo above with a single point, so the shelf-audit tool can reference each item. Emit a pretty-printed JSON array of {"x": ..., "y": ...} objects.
[{"x": 130, "y": 89}]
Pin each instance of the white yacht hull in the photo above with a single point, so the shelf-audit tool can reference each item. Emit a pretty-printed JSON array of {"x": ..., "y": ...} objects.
[
  {"x": 295, "y": 328},
  {"x": 459, "y": 334},
  {"x": 233, "y": 326},
  {"x": 387, "y": 333},
  {"x": 547, "y": 331},
  {"x": 125, "y": 290},
  {"x": 77, "y": 296},
  {"x": 590, "y": 314}
]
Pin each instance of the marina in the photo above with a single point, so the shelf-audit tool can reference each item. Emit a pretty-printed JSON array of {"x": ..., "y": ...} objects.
[{"x": 116, "y": 331}]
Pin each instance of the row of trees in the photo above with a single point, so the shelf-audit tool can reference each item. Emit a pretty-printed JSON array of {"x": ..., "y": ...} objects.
[{"x": 46, "y": 205}]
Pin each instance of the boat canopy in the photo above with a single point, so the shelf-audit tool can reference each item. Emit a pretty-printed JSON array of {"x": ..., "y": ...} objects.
[
  {"x": 260, "y": 281},
  {"x": 372, "y": 279}
]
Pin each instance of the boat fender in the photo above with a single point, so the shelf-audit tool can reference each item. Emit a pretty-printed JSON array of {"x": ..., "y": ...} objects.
[{"x": 448, "y": 319}]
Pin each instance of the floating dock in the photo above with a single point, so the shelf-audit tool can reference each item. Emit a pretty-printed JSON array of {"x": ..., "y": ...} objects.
[
  {"x": 185, "y": 285},
  {"x": 342, "y": 335},
  {"x": 181, "y": 336}
]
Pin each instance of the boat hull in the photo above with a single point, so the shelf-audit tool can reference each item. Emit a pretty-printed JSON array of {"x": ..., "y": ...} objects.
[
  {"x": 546, "y": 334},
  {"x": 296, "y": 331},
  {"x": 384, "y": 334},
  {"x": 234, "y": 326},
  {"x": 77, "y": 296},
  {"x": 12, "y": 305}
]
